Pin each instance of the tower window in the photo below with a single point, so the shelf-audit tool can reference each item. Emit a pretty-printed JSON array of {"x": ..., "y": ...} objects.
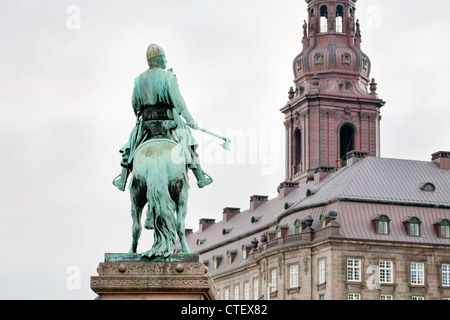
[
  {"x": 323, "y": 19},
  {"x": 339, "y": 19},
  {"x": 347, "y": 141},
  {"x": 298, "y": 151}
]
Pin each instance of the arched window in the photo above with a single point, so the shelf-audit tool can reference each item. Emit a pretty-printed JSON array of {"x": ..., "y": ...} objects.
[
  {"x": 323, "y": 19},
  {"x": 428, "y": 187},
  {"x": 231, "y": 254},
  {"x": 244, "y": 252},
  {"x": 383, "y": 225},
  {"x": 297, "y": 151},
  {"x": 339, "y": 19},
  {"x": 278, "y": 232},
  {"x": 298, "y": 226},
  {"x": 444, "y": 229},
  {"x": 322, "y": 221},
  {"x": 347, "y": 141},
  {"x": 414, "y": 227}
]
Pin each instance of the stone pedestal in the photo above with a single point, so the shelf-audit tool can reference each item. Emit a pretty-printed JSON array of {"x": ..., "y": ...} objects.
[{"x": 132, "y": 277}]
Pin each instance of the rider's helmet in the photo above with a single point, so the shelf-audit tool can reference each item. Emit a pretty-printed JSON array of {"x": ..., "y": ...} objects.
[{"x": 154, "y": 51}]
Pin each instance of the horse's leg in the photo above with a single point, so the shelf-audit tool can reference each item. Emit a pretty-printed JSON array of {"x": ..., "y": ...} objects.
[
  {"x": 138, "y": 192},
  {"x": 179, "y": 193}
]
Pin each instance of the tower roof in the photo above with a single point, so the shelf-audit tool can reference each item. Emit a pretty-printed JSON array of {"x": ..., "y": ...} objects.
[{"x": 332, "y": 51}]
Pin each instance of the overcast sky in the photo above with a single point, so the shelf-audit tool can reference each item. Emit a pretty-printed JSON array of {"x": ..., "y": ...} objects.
[{"x": 66, "y": 80}]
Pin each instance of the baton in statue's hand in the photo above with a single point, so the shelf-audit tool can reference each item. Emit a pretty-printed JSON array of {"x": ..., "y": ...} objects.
[{"x": 226, "y": 145}]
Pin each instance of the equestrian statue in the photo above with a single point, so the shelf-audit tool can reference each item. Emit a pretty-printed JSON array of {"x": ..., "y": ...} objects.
[{"x": 159, "y": 153}]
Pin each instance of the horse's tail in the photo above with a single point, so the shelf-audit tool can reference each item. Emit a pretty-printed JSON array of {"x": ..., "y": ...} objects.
[{"x": 161, "y": 209}]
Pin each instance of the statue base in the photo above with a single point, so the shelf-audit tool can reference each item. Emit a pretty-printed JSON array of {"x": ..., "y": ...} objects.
[{"x": 133, "y": 277}]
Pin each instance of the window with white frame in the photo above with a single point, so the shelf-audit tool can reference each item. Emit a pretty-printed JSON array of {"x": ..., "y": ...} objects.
[
  {"x": 417, "y": 298},
  {"x": 247, "y": 290},
  {"x": 236, "y": 292},
  {"x": 226, "y": 295},
  {"x": 353, "y": 270},
  {"x": 322, "y": 271},
  {"x": 293, "y": 276},
  {"x": 386, "y": 271},
  {"x": 386, "y": 297},
  {"x": 256, "y": 289},
  {"x": 417, "y": 273},
  {"x": 445, "y": 272},
  {"x": 273, "y": 283},
  {"x": 354, "y": 296}
]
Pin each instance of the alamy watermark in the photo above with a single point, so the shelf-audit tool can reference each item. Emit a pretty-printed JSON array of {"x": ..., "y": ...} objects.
[
  {"x": 73, "y": 281},
  {"x": 73, "y": 21},
  {"x": 260, "y": 147}
]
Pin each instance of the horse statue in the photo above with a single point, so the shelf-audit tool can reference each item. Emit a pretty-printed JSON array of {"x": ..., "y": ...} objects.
[{"x": 160, "y": 178}]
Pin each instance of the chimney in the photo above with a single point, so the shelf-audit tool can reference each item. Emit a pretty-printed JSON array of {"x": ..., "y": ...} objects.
[
  {"x": 355, "y": 156},
  {"x": 286, "y": 187},
  {"x": 442, "y": 159},
  {"x": 256, "y": 201},
  {"x": 205, "y": 223},
  {"x": 322, "y": 172},
  {"x": 228, "y": 213},
  {"x": 188, "y": 231}
]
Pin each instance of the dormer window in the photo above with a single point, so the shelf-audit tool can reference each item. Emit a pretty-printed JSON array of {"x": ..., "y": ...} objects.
[
  {"x": 442, "y": 227},
  {"x": 200, "y": 241},
  {"x": 231, "y": 254},
  {"x": 216, "y": 261},
  {"x": 245, "y": 251},
  {"x": 322, "y": 222},
  {"x": 281, "y": 231},
  {"x": 412, "y": 226},
  {"x": 428, "y": 187},
  {"x": 445, "y": 229},
  {"x": 298, "y": 226},
  {"x": 381, "y": 224}
]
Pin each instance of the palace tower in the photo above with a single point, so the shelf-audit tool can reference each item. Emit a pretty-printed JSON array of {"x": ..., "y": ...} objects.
[{"x": 333, "y": 107}]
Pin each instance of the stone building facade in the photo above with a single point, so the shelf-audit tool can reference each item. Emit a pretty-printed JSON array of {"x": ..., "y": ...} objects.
[{"x": 346, "y": 224}]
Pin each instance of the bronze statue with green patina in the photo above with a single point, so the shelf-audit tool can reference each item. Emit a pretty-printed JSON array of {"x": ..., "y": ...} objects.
[{"x": 159, "y": 152}]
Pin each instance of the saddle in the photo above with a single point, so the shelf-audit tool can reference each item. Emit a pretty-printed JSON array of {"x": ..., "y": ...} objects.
[{"x": 158, "y": 121}]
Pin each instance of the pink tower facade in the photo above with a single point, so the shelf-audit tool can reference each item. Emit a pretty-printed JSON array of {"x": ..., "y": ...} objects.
[{"x": 333, "y": 107}]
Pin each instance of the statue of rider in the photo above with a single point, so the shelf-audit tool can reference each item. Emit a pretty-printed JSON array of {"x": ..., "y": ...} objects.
[{"x": 159, "y": 106}]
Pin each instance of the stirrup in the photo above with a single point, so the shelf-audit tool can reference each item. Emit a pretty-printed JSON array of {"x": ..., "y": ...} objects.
[
  {"x": 119, "y": 183},
  {"x": 205, "y": 182}
]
